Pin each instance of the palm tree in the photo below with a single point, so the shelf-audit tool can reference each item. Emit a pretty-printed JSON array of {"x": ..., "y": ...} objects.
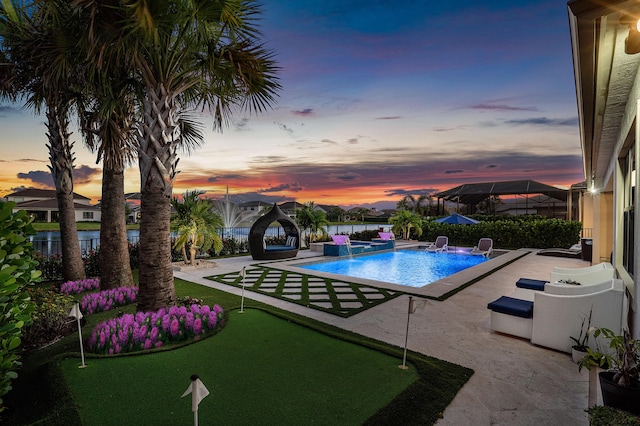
[
  {"x": 309, "y": 218},
  {"x": 200, "y": 230},
  {"x": 184, "y": 55},
  {"x": 404, "y": 220},
  {"x": 36, "y": 68},
  {"x": 109, "y": 131},
  {"x": 182, "y": 214},
  {"x": 416, "y": 205},
  {"x": 336, "y": 214}
]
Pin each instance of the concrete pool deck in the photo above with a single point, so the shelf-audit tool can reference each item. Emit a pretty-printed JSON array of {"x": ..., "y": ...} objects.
[
  {"x": 435, "y": 290},
  {"x": 515, "y": 382}
]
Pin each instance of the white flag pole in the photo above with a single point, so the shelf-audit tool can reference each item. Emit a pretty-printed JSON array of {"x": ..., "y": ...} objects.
[
  {"x": 243, "y": 273},
  {"x": 198, "y": 391},
  {"x": 75, "y": 313},
  {"x": 406, "y": 336}
]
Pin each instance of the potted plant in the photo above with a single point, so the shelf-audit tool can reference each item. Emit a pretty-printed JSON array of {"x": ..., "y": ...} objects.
[
  {"x": 620, "y": 384},
  {"x": 581, "y": 343}
]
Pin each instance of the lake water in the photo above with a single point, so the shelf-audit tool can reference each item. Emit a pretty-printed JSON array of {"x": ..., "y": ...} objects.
[{"x": 48, "y": 242}]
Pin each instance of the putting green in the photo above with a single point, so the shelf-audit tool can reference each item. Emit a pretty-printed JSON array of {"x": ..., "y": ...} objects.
[{"x": 259, "y": 369}]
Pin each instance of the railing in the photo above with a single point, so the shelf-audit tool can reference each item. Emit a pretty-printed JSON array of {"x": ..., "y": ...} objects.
[
  {"x": 586, "y": 233},
  {"x": 50, "y": 247}
]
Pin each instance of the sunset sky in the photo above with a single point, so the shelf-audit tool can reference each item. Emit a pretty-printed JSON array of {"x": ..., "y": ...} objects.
[{"x": 380, "y": 99}]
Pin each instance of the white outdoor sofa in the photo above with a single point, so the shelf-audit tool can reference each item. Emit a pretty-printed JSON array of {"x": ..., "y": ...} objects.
[
  {"x": 556, "y": 314},
  {"x": 587, "y": 276}
]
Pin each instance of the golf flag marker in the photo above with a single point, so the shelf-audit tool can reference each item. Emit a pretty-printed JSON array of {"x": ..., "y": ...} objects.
[
  {"x": 413, "y": 306},
  {"x": 75, "y": 313},
  {"x": 198, "y": 392},
  {"x": 243, "y": 273}
]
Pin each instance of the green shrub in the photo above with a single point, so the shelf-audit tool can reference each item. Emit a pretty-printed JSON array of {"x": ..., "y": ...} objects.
[
  {"x": 510, "y": 233},
  {"x": 366, "y": 235},
  {"x": 231, "y": 246},
  {"x": 51, "y": 267},
  {"x": 606, "y": 416},
  {"x": 17, "y": 271},
  {"x": 50, "y": 316},
  {"x": 91, "y": 260}
]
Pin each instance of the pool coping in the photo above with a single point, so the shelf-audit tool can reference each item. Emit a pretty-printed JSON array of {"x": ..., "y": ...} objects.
[{"x": 440, "y": 289}]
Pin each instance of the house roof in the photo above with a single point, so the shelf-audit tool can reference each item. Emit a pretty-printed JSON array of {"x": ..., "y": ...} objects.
[
  {"x": 51, "y": 204},
  {"x": 255, "y": 204},
  {"x": 605, "y": 76},
  {"x": 473, "y": 193},
  {"x": 42, "y": 193}
]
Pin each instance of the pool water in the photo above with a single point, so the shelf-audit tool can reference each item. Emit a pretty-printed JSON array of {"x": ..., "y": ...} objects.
[{"x": 411, "y": 268}]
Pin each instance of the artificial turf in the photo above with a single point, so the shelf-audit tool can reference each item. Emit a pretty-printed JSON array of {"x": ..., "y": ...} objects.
[
  {"x": 42, "y": 394},
  {"x": 260, "y": 369}
]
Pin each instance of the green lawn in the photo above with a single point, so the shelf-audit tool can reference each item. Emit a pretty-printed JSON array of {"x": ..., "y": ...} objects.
[
  {"x": 260, "y": 369},
  {"x": 280, "y": 367}
]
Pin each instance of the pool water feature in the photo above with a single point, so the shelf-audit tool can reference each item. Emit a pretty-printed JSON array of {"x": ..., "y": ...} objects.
[{"x": 413, "y": 268}]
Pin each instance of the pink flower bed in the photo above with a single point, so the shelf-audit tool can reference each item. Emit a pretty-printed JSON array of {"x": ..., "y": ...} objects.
[
  {"x": 148, "y": 330},
  {"x": 76, "y": 287},
  {"x": 108, "y": 299}
]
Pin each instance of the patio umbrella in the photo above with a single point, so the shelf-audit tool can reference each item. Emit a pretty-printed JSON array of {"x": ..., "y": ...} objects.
[{"x": 457, "y": 219}]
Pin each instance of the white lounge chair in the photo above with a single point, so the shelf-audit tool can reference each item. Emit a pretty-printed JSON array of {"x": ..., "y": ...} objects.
[
  {"x": 484, "y": 247},
  {"x": 440, "y": 245}
]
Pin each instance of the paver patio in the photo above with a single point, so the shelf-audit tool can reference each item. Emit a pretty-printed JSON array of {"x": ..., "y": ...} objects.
[{"x": 515, "y": 382}]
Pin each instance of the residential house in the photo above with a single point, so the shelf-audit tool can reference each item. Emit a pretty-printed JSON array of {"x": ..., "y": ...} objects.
[
  {"x": 606, "y": 59},
  {"x": 43, "y": 205},
  {"x": 289, "y": 208}
]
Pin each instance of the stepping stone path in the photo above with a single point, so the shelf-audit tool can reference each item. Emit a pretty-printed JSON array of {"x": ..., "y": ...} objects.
[{"x": 333, "y": 296}]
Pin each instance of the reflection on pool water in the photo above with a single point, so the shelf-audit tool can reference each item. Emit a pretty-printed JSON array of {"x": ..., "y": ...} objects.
[{"x": 413, "y": 268}]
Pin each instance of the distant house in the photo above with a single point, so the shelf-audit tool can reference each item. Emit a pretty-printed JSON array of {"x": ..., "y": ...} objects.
[
  {"x": 43, "y": 205},
  {"x": 133, "y": 201},
  {"x": 255, "y": 207},
  {"x": 539, "y": 205},
  {"x": 289, "y": 208}
]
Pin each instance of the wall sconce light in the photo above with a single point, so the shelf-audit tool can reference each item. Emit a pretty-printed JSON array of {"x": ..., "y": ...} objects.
[
  {"x": 593, "y": 189},
  {"x": 632, "y": 42}
]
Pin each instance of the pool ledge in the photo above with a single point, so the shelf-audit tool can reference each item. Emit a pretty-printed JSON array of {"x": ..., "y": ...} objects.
[{"x": 440, "y": 289}]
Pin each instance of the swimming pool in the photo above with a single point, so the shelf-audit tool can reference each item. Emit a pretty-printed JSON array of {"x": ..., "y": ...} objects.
[{"x": 413, "y": 268}]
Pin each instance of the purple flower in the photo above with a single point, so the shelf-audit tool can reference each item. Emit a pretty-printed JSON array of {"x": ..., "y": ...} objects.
[
  {"x": 197, "y": 326},
  {"x": 188, "y": 322},
  {"x": 212, "y": 320},
  {"x": 147, "y": 330},
  {"x": 175, "y": 328}
]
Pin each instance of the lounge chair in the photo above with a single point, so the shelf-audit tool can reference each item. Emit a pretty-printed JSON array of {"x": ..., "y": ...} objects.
[
  {"x": 574, "y": 252},
  {"x": 439, "y": 246},
  {"x": 484, "y": 247}
]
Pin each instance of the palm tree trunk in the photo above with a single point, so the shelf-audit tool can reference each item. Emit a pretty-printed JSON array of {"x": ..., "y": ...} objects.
[
  {"x": 157, "y": 162},
  {"x": 61, "y": 168},
  {"x": 156, "y": 271},
  {"x": 185, "y": 259},
  {"x": 115, "y": 266}
]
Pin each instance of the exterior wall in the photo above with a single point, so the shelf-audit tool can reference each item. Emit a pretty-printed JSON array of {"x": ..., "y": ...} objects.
[
  {"x": 586, "y": 212},
  {"x": 96, "y": 215},
  {"x": 603, "y": 230}
]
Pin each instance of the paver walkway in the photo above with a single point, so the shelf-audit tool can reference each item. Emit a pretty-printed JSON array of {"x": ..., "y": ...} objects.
[
  {"x": 342, "y": 298},
  {"x": 515, "y": 382}
]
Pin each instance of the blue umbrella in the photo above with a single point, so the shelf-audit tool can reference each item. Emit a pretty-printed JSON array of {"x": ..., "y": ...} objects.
[{"x": 457, "y": 219}]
